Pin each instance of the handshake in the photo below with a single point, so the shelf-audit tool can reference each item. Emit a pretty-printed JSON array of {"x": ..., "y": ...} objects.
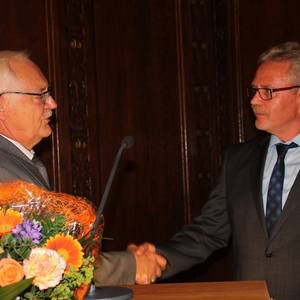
[{"x": 149, "y": 264}]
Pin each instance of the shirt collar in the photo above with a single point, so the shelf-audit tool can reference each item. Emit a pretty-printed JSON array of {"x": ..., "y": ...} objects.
[
  {"x": 275, "y": 140},
  {"x": 28, "y": 153}
]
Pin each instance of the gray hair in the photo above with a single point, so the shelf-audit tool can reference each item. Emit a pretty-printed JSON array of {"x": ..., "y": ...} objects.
[{"x": 285, "y": 52}]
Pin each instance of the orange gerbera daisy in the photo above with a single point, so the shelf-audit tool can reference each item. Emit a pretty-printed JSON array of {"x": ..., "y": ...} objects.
[
  {"x": 68, "y": 247},
  {"x": 9, "y": 219}
]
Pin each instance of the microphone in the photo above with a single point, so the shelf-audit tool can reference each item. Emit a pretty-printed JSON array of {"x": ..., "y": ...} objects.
[{"x": 126, "y": 143}]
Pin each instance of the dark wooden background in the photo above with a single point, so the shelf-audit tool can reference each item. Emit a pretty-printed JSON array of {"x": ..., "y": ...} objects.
[{"x": 171, "y": 73}]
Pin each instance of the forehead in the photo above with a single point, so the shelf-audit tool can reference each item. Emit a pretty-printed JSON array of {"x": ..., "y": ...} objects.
[
  {"x": 28, "y": 74},
  {"x": 273, "y": 74}
]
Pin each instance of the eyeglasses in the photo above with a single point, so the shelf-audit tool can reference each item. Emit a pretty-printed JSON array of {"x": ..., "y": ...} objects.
[
  {"x": 42, "y": 96},
  {"x": 267, "y": 93}
]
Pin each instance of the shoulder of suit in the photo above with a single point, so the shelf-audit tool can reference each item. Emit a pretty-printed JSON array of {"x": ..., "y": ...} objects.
[
  {"x": 242, "y": 152},
  {"x": 10, "y": 150},
  {"x": 259, "y": 141},
  {"x": 8, "y": 158}
]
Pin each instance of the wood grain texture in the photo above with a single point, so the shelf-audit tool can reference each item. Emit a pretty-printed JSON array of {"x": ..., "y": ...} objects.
[{"x": 231, "y": 290}]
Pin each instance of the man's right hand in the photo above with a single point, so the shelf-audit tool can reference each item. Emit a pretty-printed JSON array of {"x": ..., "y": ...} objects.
[{"x": 149, "y": 264}]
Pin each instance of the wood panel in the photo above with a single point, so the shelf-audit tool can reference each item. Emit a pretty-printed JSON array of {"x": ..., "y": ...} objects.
[
  {"x": 209, "y": 112},
  {"x": 25, "y": 28},
  {"x": 77, "y": 122},
  {"x": 208, "y": 102},
  {"x": 137, "y": 86}
]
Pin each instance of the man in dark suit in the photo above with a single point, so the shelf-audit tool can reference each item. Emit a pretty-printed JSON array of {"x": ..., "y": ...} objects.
[
  {"x": 26, "y": 106},
  {"x": 256, "y": 202}
]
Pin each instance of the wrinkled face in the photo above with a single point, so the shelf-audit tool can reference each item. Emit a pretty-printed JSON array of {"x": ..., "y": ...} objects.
[
  {"x": 280, "y": 115},
  {"x": 25, "y": 118}
]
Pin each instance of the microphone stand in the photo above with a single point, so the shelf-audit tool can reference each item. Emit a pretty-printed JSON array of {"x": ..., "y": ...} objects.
[{"x": 114, "y": 292}]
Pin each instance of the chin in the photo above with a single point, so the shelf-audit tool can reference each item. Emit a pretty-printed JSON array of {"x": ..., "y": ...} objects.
[
  {"x": 260, "y": 125},
  {"x": 46, "y": 132}
]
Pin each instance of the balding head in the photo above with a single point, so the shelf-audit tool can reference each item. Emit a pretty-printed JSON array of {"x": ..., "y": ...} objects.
[{"x": 7, "y": 73}]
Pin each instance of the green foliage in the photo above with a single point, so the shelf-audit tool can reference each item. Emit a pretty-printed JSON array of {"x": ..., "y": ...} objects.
[
  {"x": 51, "y": 227},
  {"x": 10, "y": 292},
  {"x": 16, "y": 249}
]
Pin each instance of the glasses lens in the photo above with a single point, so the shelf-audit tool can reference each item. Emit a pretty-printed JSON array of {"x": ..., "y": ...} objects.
[{"x": 265, "y": 93}]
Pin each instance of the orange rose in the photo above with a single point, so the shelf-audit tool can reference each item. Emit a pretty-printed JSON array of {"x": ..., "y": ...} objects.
[{"x": 10, "y": 271}]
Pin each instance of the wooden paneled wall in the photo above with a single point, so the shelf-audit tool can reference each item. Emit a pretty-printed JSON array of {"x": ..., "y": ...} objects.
[{"x": 171, "y": 73}]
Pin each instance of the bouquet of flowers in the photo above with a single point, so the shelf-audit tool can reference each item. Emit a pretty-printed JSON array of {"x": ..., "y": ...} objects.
[{"x": 45, "y": 243}]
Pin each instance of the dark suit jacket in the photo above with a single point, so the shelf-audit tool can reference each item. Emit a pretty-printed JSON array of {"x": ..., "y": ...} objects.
[
  {"x": 14, "y": 164},
  {"x": 111, "y": 268},
  {"x": 235, "y": 210}
]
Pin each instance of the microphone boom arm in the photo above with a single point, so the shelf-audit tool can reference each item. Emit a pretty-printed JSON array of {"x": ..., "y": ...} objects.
[{"x": 127, "y": 142}]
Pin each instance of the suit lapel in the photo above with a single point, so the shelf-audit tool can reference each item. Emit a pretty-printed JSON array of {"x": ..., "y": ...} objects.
[
  {"x": 291, "y": 202},
  {"x": 256, "y": 177},
  {"x": 36, "y": 174}
]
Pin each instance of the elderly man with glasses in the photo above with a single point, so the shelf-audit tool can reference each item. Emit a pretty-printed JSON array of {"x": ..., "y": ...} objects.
[
  {"x": 26, "y": 107},
  {"x": 256, "y": 202},
  {"x": 25, "y": 110}
]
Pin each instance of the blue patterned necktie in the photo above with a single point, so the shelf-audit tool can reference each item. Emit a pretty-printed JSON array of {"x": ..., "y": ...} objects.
[{"x": 274, "y": 197}]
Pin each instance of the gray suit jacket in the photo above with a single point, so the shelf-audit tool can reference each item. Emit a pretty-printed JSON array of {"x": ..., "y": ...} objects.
[
  {"x": 235, "y": 210},
  {"x": 111, "y": 268},
  {"x": 14, "y": 164}
]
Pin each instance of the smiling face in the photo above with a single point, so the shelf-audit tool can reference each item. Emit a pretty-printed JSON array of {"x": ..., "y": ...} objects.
[
  {"x": 25, "y": 118},
  {"x": 280, "y": 115}
]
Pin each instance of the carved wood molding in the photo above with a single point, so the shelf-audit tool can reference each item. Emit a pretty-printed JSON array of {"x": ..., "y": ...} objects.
[
  {"x": 208, "y": 104},
  {"x": 76, "y": 23}
]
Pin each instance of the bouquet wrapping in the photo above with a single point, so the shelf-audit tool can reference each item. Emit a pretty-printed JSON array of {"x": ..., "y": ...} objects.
[{"x": 46, "y": 251}]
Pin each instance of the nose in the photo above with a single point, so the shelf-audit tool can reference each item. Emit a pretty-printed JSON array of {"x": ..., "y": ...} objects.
[
  {"x": 50, "y": 103},
  {"x": 255, "y": 99}
]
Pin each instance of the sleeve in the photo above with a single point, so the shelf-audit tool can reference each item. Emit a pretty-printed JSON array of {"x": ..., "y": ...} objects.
[
  {"x": 208, "y": 232},
  {"x": 114, "y": 268}
]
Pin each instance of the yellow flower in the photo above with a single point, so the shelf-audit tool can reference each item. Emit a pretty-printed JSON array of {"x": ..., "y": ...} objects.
[
  {"x": 68, "y": 247},
  {"x": 46, "y": 266},
  {"x": 9, "y": 219}
]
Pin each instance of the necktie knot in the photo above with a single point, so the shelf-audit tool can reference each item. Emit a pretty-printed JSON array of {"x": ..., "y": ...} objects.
[{"x": 282, "y": 149}]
